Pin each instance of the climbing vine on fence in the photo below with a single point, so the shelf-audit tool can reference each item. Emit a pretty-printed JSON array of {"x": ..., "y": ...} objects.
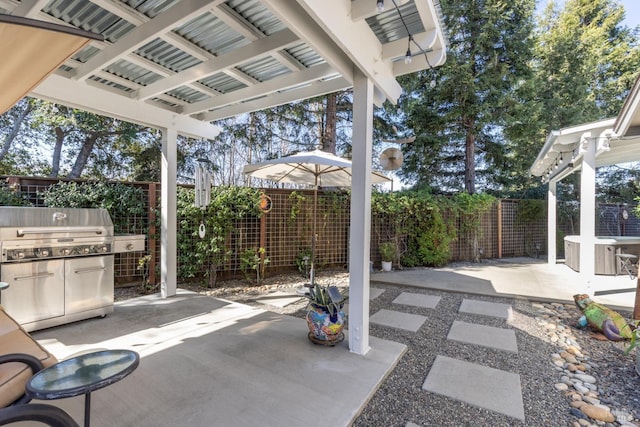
[
  {"x": 469, "y": 209},
  {"x": 423, "y": 225},
  {"x": 124, "y": 203},
  {"x": 197, "y": 255}
]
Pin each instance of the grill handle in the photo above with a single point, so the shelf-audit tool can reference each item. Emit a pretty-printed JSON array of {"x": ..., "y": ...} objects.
[
  {"x": 88, "y": 270},
  {"x": 53, "y": 230},
  {"x": 35, "y": 276}
]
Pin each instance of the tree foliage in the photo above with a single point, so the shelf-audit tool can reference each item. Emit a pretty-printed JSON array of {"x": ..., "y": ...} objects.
[{"x": 456, "y": 110}]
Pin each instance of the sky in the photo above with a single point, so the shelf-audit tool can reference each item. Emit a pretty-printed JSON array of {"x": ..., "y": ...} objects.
[
  {"x": 631, "y": 7},
  {"x": 632, "y": 10}
]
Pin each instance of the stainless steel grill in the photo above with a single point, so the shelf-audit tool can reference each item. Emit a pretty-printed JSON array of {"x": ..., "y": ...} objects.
[{"x": 58, "y": 264}]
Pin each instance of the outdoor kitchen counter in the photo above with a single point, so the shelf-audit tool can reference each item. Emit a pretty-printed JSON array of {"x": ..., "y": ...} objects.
[
  {"x": 128, "y": 243},
  {"x": 606, "y": 248}
]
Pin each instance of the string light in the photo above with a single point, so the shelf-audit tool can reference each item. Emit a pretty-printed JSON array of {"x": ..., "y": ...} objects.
[
  {"x": 379, "y": 6},
  {"x": 407, "y": 57}
]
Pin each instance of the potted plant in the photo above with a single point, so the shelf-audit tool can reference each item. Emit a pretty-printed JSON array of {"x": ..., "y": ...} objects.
[
  {"x": 325, "y": 317},
  {"x": 388, "y": 252}
]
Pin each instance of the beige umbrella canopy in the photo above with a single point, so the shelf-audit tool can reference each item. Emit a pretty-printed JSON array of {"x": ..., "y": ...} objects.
[
  {"x": 317, "y": 168},
  {"x": 30, "y": 50}
]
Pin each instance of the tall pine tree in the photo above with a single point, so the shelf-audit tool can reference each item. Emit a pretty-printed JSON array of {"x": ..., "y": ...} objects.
[{"x": 457, "y": 109}]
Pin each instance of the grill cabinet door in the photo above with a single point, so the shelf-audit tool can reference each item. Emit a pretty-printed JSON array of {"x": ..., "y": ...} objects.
[
  {"x": 89, "y": 283},
  {"x": 36, "y": 290}
]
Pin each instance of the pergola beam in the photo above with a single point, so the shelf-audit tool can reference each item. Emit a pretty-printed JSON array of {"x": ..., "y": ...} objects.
[
  {"x": 89, "y": 98},
  {"x": 286, "y": 97},
  {"x": 357, "y": 41}
]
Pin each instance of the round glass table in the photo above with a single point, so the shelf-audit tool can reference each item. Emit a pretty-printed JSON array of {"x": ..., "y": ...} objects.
[{"x": 82, "y": 375}]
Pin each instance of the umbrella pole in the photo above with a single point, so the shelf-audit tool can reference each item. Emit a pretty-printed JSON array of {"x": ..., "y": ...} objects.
[{"x": 312, "y": 272}]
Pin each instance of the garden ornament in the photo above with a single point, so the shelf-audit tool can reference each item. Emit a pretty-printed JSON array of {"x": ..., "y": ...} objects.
[{"x": 602, "y": 318}]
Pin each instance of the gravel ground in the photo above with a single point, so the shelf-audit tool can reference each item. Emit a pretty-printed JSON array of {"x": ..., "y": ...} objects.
[{"x": 543, "y": 332}]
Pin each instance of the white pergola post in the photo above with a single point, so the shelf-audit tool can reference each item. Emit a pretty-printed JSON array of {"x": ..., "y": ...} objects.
[
  {"x": 588, "y": 207},
  {"x": 360, "y": 231},
  {"x": 552, "y": 202},
  {"x": 168, "y": 216}
]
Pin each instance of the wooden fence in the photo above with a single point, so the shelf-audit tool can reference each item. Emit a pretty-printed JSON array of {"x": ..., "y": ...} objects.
[{"x": 287, "y": 237}]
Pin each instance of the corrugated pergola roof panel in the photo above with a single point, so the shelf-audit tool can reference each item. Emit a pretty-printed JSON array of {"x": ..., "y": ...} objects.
[{"x": 188, "y": 57}]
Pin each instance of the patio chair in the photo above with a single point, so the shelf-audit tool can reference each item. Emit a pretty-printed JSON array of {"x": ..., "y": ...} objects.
[
  {"x": 39, "y": 412},
  {"x": 20, "y": 357},
  {"x": 629, "y": 264}
]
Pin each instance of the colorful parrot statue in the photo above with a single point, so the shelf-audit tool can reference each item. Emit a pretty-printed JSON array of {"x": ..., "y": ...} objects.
[{"x": 602, "y": 318}]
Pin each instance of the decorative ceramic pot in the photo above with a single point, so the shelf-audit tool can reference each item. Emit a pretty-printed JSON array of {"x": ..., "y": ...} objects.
[
  {"x": 324, "y": 327},
  {"x": 386, "y": 265}
]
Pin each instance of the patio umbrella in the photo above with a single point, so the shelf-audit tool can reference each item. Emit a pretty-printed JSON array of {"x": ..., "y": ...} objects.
[{"x": 317, "y": 168}]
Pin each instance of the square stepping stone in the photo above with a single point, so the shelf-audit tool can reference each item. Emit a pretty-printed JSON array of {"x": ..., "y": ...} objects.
[
  {"x": 477, "y": 385},
  {"x": 493, "y": 309},
  {"x": 375, "y": 293},
  {"x": 486, "y": 336},
  {"x": 278, "y": 299},
  {"x": 396, "y": 319},
  {"x": 417, "y": 300}
]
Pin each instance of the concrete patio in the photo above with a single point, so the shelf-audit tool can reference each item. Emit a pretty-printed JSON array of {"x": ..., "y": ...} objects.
[
  {"x": 526, "y": 277},
  {"x": 206, "y": 361}
]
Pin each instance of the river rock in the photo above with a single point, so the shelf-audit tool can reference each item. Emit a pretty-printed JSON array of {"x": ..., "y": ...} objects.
[
  {"x": 597, "y": 413},
  {"x": 580, "y": 388},
  {"x": 569, "y": 357},
  {"x": 586, "y": 378}
]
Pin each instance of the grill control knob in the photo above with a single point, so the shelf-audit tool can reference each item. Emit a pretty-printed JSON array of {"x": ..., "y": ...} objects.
[
  {"x": 41, "y": 253},
  {"x": 18, "y": 255},
  {"x": 65, "y": 251},
  {"x": 85, "y": 249},
  {"x": 102, "y": 249}
]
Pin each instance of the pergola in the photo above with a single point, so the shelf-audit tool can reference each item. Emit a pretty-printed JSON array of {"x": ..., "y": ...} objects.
[
  {"x": 178, "y": 65},
  {"x": 584, "y": 148}
]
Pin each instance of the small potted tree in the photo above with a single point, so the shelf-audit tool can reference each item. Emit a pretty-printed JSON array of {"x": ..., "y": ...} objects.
[
  {"x": 325, "y": 317},
  {"x": 388, "y": 252}
]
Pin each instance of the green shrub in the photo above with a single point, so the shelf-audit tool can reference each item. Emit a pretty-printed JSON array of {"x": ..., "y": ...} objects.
[
  {"x": 126, "y": 204},
  {"x": 9, "y": 197}
]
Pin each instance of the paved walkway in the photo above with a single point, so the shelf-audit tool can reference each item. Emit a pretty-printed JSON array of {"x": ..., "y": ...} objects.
[
  {"x": 473, "y": 383},
  {"x": 205, "y": 359}
]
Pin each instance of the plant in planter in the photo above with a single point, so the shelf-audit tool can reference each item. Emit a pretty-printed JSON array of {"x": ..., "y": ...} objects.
[
  {"x": 325, "y": 317},
  {"x": 388, "y": 252}
]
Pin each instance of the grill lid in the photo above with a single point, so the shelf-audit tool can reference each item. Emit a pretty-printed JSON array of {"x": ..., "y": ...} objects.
[{"x": 17, "y": 222}]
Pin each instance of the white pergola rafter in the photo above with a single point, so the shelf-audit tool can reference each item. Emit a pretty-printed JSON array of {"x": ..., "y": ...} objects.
[
  {"x": 319, "y": 72},
  {"x": 354, "y": 39},
  {"x": 258, "y": 49},
  {"x": 235, "y": 22},
  {"x": 164, "y": 22},
  {"x": 281, "y": 98},
  {"x": 90, "y": 98}
]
